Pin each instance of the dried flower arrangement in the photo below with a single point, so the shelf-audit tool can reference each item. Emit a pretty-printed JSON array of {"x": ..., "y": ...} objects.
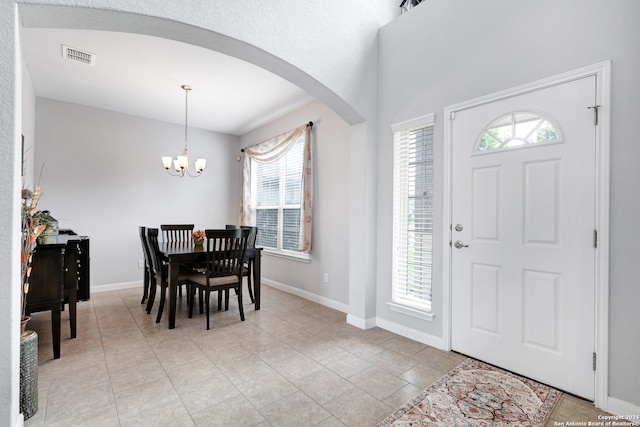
[{"x": 32, "y": 227}]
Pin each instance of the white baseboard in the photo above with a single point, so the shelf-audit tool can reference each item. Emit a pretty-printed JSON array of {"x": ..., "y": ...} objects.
[
  {"x": 361, "y": 323},
  {"x": 327, "y": 302},
  {"x": 622, "y": 408},
  {"x": 428, "y": 339},
  {"x": 116, "y": 286}
]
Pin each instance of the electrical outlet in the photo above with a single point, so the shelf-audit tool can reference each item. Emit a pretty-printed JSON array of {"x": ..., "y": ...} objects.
[
  {"x": 325, "y": 278},
  {"x": 140, "y": 264}
]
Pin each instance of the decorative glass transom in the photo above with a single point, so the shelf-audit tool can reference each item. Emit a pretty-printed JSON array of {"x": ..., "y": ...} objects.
[{"x": 517, "y": 130}]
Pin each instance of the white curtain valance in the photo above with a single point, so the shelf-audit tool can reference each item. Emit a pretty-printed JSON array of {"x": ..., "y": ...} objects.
[{"x": 274, "y": 148}]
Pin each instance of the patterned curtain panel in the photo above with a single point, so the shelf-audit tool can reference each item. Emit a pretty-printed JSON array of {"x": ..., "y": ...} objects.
[{"x": 272, "y": 150}]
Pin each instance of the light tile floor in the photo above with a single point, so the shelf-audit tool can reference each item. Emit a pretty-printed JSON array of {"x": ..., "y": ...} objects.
[{"x": 293, "y": 363}]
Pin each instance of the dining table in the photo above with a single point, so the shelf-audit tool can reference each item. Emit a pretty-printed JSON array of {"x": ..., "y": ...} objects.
[{"x": 180, "y": 253}]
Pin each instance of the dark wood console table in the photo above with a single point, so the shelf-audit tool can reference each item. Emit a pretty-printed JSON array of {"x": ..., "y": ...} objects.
[{"x": 60, "y": 274}]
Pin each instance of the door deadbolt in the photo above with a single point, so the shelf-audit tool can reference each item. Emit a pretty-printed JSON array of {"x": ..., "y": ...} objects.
[
  {"x": 459, "y": 227},
  {"x": 459, "y": 245}
]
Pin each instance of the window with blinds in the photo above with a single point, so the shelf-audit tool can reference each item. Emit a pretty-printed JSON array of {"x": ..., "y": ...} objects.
[
  {"x": 277, "y": 193},
  {"x": 413, "y": 213}
]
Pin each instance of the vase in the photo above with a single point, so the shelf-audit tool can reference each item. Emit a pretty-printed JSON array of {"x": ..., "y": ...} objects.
[
  {"x": 198, "y": 242},
  {"x": 23, "y": 324},
  {"x": 28, "y": 374}
]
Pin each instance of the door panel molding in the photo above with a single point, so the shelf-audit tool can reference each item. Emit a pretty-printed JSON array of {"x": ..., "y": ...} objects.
[{"x": 602, "y": 73}]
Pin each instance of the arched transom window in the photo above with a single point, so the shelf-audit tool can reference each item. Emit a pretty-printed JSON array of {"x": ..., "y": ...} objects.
[{"x": 517, "y": 130}]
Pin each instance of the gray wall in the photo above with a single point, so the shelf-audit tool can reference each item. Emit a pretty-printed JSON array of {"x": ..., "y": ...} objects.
[
  {"x": 103, "y": 178},
  {"x": 330, "y": 144},
  {"x": 28, "y": 129},
  {"x": 448, "y": 51}
]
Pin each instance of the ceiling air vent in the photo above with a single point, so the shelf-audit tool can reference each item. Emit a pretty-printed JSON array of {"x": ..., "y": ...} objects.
[{"x": 78, "y": 55}]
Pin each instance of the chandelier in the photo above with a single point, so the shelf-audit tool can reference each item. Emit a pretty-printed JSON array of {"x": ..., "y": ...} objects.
[{"x": 181, "y": 163}]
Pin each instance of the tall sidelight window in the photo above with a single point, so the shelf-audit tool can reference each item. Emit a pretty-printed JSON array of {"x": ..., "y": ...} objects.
[
  {"x": 277, "y": 193},
  {"x": 413, "y": 213}
]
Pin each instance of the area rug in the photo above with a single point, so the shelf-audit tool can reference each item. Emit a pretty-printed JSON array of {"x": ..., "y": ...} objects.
[{"x": 476, "y": 394}]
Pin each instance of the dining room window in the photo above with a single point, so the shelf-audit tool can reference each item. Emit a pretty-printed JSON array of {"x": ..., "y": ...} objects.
[
  {"x": 277, "y": 192},
  {"x": 412, "y": 214},
  {"x": 277, "y": 183}
]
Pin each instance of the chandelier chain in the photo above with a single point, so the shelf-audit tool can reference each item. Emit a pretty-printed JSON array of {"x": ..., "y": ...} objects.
[{"x": 186, "y": 115}]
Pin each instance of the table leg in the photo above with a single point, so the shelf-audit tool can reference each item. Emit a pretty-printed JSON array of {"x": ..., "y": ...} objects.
[
  {"x": 73, "y": 299},
  {"x": 256, "y": 279},
  {"x": 173, "y": 280},
  {"x": 55, "y": 329}
]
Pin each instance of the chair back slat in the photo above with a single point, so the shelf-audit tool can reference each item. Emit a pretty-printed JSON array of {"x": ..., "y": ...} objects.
[{"x": 176, "y": 232}]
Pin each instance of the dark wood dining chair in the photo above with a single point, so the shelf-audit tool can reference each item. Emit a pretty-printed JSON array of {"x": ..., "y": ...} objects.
[
  {"x": 160, "y": 273},
  {"x": 248, "y": 265},
  {"x": 224, "y": 262},
  {"x": 176, "y": 232},
  {"x": 146, "y": 281}
]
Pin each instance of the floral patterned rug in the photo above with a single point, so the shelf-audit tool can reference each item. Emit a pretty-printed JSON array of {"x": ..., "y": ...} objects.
[{"x": 476, "y": 394}]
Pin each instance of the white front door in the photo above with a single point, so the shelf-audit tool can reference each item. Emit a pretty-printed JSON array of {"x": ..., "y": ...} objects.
[{"x": 523, "y": 218}]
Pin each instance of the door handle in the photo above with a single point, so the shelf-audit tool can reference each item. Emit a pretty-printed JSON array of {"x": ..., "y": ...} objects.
[{"x": 459, "y": 245}]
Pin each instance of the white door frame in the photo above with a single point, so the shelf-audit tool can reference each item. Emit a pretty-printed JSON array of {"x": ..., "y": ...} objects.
[{"x": 602, "y": 71}]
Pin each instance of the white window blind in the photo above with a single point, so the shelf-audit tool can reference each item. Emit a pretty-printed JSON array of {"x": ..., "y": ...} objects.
[
  {"x": 413, "y": 213},
  {"x": 277, "y": 190}
]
